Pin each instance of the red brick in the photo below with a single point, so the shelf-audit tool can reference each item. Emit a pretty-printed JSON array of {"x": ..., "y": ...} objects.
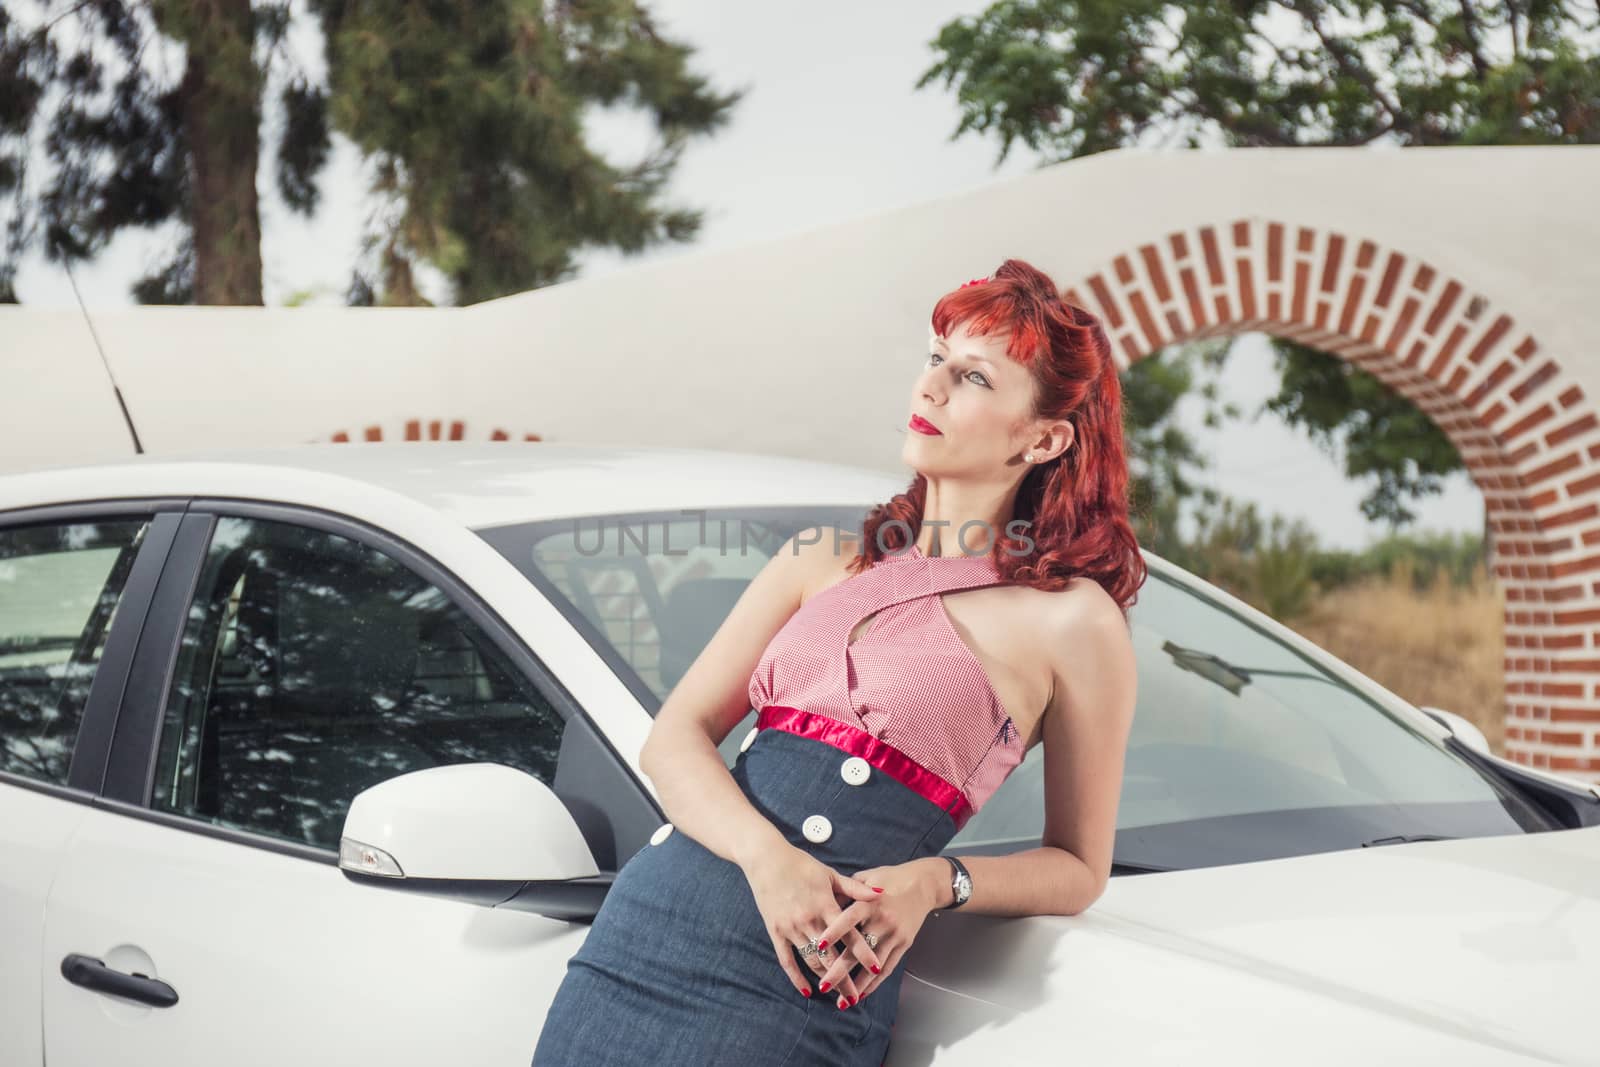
[
  {"x": 1191, "y": 291},
  {"x": 1158, "y": 277},
  {"x": 1247, "y": 287},
  {"x": 1441, "y": 308},
  {"x": 1302, "y": 280},
  {"x": 1575, "y": 714},
  {"x": 1391, "y": 275},
  {"x": 1526, "y": 423},
  {"x": 1501, "y": 326},
  {"x": 1571, "y": 429},
  {"x": 1108, "y": 303},
  {"x": 1533, "y": 381},
  {"x": 1208, "y": 241}
]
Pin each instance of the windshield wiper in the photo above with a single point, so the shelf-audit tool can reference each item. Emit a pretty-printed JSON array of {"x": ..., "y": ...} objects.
[{"x": 1402, "y": 839}]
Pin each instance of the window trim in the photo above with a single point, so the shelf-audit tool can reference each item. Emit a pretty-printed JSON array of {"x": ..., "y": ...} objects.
[
  {"x": 130, "y": 775},
  {"x": 91, "y": 748}
]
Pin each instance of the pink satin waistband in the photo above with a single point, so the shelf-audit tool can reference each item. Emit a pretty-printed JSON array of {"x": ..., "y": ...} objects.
[{"x": 880, "y": 754}]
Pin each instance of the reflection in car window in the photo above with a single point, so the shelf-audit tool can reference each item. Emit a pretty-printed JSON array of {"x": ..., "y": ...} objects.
[
  {"x": 60, "y": 586},
  {"x": 1243, "y": 749},
  {"x": 650, "y": 590},
  {"x": 312, "y": 667}
]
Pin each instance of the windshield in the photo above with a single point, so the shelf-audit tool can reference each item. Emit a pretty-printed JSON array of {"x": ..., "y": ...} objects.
[{"x": 1241, "y": 748}]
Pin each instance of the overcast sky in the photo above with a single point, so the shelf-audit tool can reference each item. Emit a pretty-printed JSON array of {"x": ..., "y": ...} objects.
[{"x": 829, "y": 129}]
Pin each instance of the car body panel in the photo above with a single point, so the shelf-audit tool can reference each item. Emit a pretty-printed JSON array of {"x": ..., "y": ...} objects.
[
  {"x": 35, "y": 827},
  {"x": 237, "y": 930},
  {"x": 1423, "y": 952},
  {"x": 1476, "y": 950}
]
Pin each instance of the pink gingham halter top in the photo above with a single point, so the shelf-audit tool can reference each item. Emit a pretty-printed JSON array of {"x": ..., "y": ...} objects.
[{"x": 909, "y": 679}]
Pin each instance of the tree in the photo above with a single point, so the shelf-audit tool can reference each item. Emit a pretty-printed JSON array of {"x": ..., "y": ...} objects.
[
  {"x": 1070, "y": 78},
  {"x": 1160, "y": 453},
  {"x": 470, "y": 114}
]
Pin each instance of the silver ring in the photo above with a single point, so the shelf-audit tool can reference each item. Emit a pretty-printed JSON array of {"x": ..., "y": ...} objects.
[
  {"x": 872, "y": 940},
  {"x": 810, "y": 949}
]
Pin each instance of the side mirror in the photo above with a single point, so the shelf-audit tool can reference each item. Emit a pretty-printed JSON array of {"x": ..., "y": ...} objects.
[
  {"x": 1459, "y": 726},
  {"x": 479, "y": 832}
]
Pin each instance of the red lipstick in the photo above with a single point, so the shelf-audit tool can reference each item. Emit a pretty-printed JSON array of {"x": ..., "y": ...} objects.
[{"x": 923, "y": 426}]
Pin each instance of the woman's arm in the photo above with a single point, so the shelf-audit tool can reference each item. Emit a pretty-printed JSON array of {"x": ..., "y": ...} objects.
[
  {"x": 1086, "y": 725},
  {"x": 795, "y": 893},
  {"x": 680, "y": 753}
]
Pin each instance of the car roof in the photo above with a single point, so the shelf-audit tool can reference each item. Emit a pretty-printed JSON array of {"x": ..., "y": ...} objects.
[{"x": 482, "y": 484}]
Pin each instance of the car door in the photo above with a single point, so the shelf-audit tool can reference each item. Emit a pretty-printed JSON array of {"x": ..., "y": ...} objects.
[
  {"x": 292, "y": 660},
  {"x": 74, "y": 583}
]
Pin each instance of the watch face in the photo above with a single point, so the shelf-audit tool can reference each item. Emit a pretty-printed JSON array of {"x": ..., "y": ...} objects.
[{"x": 963, "y": 887}]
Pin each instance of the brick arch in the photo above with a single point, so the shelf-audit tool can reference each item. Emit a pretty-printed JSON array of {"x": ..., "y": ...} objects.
[{"x": 1527, "y": 432}]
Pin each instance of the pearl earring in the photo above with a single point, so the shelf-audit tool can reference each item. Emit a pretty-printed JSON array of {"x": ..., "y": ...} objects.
[{"x": 1029, "y": 457}]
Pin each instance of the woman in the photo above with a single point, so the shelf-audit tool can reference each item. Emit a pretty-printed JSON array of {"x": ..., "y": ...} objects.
[{"x": 766, "y": 923}]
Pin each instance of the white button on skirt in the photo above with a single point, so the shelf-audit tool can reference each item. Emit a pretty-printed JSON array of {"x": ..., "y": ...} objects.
[
  {"x": 856, "y": 771},
  {"x": 817, "y": 829}
]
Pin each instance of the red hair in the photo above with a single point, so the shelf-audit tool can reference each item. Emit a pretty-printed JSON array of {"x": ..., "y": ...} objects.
[{"x": 1075, "y": 506}]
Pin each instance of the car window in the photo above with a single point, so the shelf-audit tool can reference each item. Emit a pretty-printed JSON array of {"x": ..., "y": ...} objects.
[
  {"x": 1241, "y": 748},
  {"x": 60, "y": 587},
  {"x": 650, "y": 590},
  {"x": 313, "y": 666}
]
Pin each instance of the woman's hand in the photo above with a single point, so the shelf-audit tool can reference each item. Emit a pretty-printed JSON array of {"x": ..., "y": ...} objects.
[
  {"x": 798, "y": 898},
  {"x": 909, "y": 892}
]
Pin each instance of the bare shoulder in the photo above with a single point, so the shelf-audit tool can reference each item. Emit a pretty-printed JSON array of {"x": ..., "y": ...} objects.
[
  {"x": 1089, "y": 646},
  {"x": 1083, "y": 607},
  {"x": 820, "y": 556}
]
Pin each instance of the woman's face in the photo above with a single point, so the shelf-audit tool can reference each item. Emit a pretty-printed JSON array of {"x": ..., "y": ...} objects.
[{"x": 981, "y": 402}]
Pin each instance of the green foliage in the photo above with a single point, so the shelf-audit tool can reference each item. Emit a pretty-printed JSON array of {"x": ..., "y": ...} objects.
[
  {"x": 1071, "y": 78},
  {"x": 1382, "y": 435},
  {"x": 1075, "y": 77},
  {"x": 1277, "y": 564},
  {"x": 471, "y": 114},
  {"x": 1162, "y": 457},
  {"x": 1268, "y": 562}
]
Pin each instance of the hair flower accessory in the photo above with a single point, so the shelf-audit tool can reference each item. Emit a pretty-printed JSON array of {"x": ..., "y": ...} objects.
[{"x": 975, "y": 281}]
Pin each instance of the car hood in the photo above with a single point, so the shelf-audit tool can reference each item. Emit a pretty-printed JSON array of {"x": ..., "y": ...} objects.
[{"x": 1481, "y": 950}]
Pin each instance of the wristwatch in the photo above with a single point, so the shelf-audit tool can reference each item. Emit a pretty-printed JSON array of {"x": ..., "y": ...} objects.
[{"x": 960, "y": 882}]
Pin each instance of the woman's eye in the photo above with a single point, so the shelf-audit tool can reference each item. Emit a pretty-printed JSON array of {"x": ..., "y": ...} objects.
[{"x": 934, "y": 359}]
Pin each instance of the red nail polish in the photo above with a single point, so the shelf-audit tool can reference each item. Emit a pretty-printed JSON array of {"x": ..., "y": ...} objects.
[
  {"x": 877, "y": 889},
  {"x": 874, "y": 970},
  {"x": 854, "y": 1001},
  {"x": 822, "y": 946},
  {"x": 823, "y": 988},
  {"x": 805, "y": 992},
  {"x": 843, "y": 1003}
]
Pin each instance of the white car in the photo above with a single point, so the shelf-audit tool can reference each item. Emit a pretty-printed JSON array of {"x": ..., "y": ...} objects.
[{"x": 324, "y": 754}]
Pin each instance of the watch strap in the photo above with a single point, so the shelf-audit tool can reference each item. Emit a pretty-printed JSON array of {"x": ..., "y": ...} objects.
[{"x": 957, "y": 870}]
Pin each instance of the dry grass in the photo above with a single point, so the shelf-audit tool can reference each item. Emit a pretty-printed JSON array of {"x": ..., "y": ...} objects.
[{"x": 1443, "y": 646}]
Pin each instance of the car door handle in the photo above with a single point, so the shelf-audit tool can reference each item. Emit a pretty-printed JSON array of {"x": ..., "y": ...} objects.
[{"x": 94, "y": 974}]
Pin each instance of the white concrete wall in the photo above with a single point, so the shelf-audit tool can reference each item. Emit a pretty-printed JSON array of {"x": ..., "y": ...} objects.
[{"x": 805, "y": 345}]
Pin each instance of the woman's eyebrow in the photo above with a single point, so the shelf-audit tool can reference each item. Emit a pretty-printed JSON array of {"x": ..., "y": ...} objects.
[{"x": 942, "y": 343}]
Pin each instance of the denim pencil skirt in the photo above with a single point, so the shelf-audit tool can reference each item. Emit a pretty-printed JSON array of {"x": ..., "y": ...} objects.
[{"x": 679, "y": 969}]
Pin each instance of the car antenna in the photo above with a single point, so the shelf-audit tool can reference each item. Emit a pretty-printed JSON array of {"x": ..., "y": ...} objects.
[{"x": 138, "y": 448}]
